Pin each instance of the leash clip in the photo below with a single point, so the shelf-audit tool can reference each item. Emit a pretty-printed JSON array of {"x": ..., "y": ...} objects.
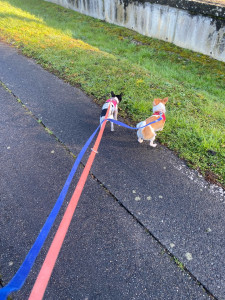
[{"x": 94, "y": 151}]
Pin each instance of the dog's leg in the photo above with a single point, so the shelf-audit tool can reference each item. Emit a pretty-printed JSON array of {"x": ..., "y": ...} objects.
[
  {"x": 140, "y": 140},
  {"x": 152, "y": 140},
  {"x": 139, "y": 132},
  {"x": 101, "y": 121},
  {"x": 112, "y": 126},
  {"x": 115, "y": 114}
]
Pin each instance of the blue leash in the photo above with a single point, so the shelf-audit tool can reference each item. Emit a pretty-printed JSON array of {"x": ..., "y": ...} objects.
[
  {"x": 19, "y": 278},
  {"x": 134, "y": 128}
]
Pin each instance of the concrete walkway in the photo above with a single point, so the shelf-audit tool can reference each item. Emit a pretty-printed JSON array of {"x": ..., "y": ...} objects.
[{"x": 139, "y": 205}]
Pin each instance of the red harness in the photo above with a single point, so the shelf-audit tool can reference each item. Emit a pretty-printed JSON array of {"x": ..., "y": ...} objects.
[
  {"x": 114, "y": 102},
  {"x": 159, "y": 113}
]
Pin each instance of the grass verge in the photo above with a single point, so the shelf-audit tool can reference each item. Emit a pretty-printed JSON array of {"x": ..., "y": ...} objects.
[{"x": 100, "y": 57}]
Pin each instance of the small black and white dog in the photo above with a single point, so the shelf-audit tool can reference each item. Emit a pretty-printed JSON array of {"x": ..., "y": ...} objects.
[{"x": 113, "y": 112}]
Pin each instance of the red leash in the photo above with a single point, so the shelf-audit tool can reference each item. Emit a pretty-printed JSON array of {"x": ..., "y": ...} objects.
[{"x": 44, "y": 275}]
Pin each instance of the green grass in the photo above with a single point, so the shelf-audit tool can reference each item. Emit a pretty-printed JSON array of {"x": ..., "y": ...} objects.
[
  {"x": 100, "y": 57},
  {"x": 178, "y": 263}
]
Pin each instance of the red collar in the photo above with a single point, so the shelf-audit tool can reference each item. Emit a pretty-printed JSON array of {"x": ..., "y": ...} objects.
[{"x": 158, "y": 113}]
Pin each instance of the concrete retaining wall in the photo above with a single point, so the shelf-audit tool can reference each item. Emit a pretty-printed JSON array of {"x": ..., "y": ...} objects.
[{"x": 192, "y": 25}]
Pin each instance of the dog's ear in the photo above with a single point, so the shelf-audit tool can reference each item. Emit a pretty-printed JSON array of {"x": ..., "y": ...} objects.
[
  {"x": 156, "y": 101},
  {"x": 113, "y": 95},
  {"x": 165, "y": 100},
  {"x": 120, "y": 97}
]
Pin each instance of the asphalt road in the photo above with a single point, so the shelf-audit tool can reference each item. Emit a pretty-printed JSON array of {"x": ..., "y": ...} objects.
[{"x": 140, "y": 205}]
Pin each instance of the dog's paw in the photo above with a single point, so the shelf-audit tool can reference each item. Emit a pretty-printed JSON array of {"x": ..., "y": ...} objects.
[
  {"x": 140, "y": 140},
  {"x": 153, "y": 145}
]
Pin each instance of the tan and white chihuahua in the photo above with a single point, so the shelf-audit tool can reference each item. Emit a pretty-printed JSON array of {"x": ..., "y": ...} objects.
[
  {"x": 148, "y": 132},
  {"x": 113, "y": 112}
]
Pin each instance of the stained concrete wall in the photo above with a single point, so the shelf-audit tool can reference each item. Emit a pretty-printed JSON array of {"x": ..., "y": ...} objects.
[{"x": 189, "y": 24}]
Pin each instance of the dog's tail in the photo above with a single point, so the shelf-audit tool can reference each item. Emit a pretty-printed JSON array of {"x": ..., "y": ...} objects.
[{"x": 142, "y": 123}]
